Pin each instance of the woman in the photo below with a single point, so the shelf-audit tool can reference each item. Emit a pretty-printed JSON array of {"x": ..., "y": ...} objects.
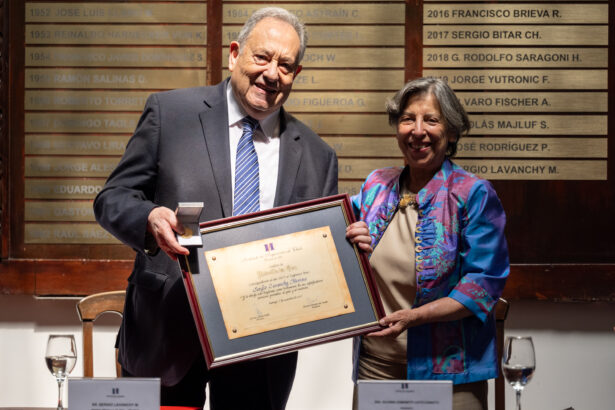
[{"x": 439, "y": 253}]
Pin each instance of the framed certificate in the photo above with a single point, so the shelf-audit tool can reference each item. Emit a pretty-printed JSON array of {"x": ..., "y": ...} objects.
[{"x": 279, "y": 280}]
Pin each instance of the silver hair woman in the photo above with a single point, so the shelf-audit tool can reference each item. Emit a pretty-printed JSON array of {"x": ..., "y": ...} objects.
[
  {"x": 453, "y": 114},
  {"x": 439, "y": 254}
]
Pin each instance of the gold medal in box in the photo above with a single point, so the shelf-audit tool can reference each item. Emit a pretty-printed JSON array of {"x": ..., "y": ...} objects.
[
  {"x": 188, "y": 214},
  {"x": 187, "y": 233}
]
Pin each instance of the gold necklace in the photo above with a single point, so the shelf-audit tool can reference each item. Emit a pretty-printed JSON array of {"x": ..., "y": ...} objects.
[{"x": 408, "y": 200}]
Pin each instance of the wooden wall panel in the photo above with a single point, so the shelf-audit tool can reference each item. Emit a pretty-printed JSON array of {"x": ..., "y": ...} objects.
[
  {"x": 5, "y": 37},
  {"x": 70, "y": 98},
  {"x": 88, "y": 68},
  {"x": 552, "y": 208}
]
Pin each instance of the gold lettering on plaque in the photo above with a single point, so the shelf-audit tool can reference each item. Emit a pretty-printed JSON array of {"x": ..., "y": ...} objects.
[
  {"x": 536, "y": 169},
  {"x": 521, "y": 80},
  {"x": 513, "y": 35},
  {"x": 43, "y": 211},
  {"x": 341, "y": 80},
  {"x": 75, "y": 144},
  {"x": 85, "y": 100},
  {"x": 534, "y": 101},
  {"x": 80, "y": 122},
  {"x": 513, "y": 169},
  {"x": 540, "y": 24},
  {"x": 360, "y": 124},
  {"x": 278, "y": 282},
  {"x": 345, "y": 13},
  {"x": 539, "y": 125},
  {"x": 360, "y": 168},
  {"x": 82, "y": 233},
  {"x": 339, "y": 35},
  {"x": 115, "y": 34},
  {"x": 115, "y": 12},
  {"x": 113, "y": 78},
  {"x": 505, "y": 57},
  {"x": 69, "y": 166},
  {"x": 62, "y": 188},
  {"x": 516, "y": 13},
  {"x": 306, "y": 101},
  {"x": 532, "y": 147},
  {"x": 116, "y": 56},
  {"x": 348, "y": 57},
  {"x": 365, "y": 146}
]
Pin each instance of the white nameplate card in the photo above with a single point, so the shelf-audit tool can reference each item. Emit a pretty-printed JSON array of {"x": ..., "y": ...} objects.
[
  {"x": 405, "y": 394},
  {"x": 129, "y": 393}
]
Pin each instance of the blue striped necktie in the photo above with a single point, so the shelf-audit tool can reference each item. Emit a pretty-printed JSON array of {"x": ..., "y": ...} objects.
[{"x": 247, "y": 196}]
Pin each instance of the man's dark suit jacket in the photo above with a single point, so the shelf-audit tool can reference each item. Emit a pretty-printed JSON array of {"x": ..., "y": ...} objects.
[{"x": 180, "y": 153}]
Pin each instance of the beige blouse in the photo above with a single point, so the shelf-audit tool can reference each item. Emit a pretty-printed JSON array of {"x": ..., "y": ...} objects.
[{"x": 394, "y": 272}]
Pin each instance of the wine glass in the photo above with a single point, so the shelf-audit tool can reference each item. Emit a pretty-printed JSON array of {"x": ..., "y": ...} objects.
[
  {"x": 61, "y": 356},
  {"x": 518, "y": 363}
]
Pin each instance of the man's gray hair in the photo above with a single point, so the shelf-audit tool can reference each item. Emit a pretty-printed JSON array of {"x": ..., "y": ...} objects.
[
  {"x": 455, "y": 118},
  {"x": 276, "y": 13}
]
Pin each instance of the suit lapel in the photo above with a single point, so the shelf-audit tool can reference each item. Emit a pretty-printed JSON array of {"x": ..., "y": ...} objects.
[
  {"x": 290, "y": 157},
  {"x": 214, "y": 120}
]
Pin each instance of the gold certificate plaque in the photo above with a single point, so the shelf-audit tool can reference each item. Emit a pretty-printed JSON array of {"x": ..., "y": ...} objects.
[{"x": 279, "y": 282}]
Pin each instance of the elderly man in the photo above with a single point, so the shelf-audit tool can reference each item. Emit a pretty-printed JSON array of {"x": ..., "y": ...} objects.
[{"x": 233, "y": 147}]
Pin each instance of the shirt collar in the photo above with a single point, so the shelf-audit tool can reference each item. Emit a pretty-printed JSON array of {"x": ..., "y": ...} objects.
[{"x": 269, "y": 125}]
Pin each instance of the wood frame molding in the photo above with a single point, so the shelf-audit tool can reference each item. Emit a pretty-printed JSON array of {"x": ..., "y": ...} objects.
[
  {"x": 66, "y": 277},
  {"x": 562, "y": 283},
  {"x": 5, "y": 38}
]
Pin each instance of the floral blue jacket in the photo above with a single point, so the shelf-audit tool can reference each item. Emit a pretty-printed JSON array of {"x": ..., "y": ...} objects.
[{"x": 460, "y": 252}]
